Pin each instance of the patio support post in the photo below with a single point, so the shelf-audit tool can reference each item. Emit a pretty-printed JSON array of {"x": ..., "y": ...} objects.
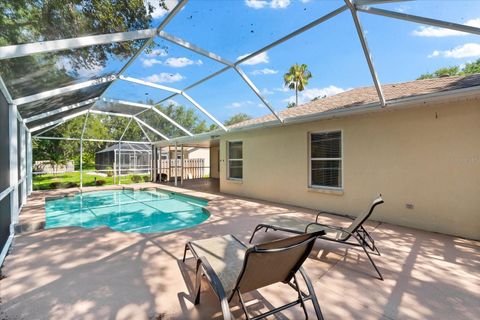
[
  {"x": 160, "y": 163},
  {"x": 182, "y": 175},
  {"x": 29, "y": 163},
  {"x": 81, "y": 151},
  {"x": 120, "y": 162},
  {"x": 169, "y": 163},
  {"x": 13, "y": 130},
  {"x": 114, "y": 166},
  {"x": 176, "y": 164}
]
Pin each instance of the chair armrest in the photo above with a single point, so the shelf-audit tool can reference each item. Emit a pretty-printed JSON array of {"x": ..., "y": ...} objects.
[
  {"x": 211, "y": 276},
  {"x": 347, "y": 216},
  {"x": 324, "y": 226}
]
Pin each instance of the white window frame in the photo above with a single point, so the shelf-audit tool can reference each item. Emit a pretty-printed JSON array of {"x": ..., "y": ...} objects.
[
  {"x": 312, "y": 186},
  {"x": 228, "y": 160}
]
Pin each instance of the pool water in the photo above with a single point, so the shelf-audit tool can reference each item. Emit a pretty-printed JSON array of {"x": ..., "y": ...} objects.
[{"x": 127, "y": 210}]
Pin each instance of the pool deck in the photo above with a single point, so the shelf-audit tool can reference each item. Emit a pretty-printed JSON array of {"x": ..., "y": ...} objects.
[{"x": 76, "y": 273}]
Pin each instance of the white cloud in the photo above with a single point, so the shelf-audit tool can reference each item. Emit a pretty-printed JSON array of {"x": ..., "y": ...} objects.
[
  {"x": 159, "y": 11},
  {"x": 150, "y": 62},
  {"x": 171, "y": 62},
  {"x": 282, "y": 89},
  {"x": 172, "y": 102},
  {"x": 467, "y": 50},
  {"x": 239, "y": 104},
  {"x": 259, "y": 58},
  {"x": 279, "y": 4},
  {"x": 164, "y": 77},
  {"x": 402, "y": 9},
  {"x": 442, "y": 32},
  {"x": 266, "y": 92},
  {"x": 157, "y": 53},
  {"x": 264, "y": 71},
  {"x": 181, "y": 62},
  {"x": 312, "y": 93},
  {"x": 273, "y": 4},
  {"x": 256, "y": 4}
]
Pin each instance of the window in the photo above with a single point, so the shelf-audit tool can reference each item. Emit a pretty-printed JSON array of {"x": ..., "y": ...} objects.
[
  {"x": 326, "y": 159},
  {"x": 235, "y": 160}
]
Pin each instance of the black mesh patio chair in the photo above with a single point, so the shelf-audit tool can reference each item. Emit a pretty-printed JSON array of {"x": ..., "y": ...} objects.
[
  {"x": 356, "y": 231},
  {"x": 232, "y": 269}
]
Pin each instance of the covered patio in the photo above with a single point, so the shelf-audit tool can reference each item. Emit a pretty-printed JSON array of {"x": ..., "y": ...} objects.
[{"x": 77, "y": 273}]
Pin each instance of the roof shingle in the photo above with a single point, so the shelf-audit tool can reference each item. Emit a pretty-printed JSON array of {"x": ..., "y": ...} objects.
[{"x": 367, "y": 95}]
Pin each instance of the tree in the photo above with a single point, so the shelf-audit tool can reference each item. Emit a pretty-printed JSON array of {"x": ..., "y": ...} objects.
[
  {"x": 26, "y": 21},
  {"x": 442, "y": 72},
  {"x": 290, "y": 105},
  {"x": 237, "y": 118},
  {"x": 51, "y": 151},
  {"x": 469, "y": 68},
  {"x": 297, "y": 78},
  {"x": 186, "y": 117}
]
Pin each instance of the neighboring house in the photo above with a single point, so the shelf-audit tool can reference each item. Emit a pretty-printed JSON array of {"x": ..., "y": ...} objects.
[{"x": 421, "y": 152}]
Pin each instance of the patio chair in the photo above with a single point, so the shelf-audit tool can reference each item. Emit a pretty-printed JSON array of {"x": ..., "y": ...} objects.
[
  {"x": 333, "y": 233},
  {"x": 233, "y": 268}
]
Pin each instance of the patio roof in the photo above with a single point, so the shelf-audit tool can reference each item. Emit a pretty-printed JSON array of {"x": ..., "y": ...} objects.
[{"x": 42, "y": 110}]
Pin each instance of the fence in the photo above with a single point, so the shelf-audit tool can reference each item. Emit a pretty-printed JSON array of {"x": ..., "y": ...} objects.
[{"x": 192, "y": 169}]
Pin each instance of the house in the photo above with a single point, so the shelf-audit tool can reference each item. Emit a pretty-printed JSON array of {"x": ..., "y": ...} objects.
[{"x": 421, "y": 152}]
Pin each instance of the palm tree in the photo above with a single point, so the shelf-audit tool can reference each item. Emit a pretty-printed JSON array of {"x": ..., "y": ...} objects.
[{"x": 297, "y": 78}]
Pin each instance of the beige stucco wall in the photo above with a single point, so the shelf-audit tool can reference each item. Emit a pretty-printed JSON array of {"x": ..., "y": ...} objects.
[
  {"x": 427, "y": 156},
  {"x": 214, "y": 158}
]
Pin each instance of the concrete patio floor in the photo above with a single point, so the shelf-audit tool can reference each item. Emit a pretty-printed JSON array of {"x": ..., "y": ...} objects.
[{"x": 76, "y": 273}]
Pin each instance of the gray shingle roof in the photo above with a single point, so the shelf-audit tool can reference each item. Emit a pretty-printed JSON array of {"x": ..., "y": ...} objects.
[{"x": 367, "y": 95}]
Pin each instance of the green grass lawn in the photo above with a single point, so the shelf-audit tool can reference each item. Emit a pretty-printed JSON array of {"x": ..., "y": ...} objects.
[{"x": 72, "y": 180}]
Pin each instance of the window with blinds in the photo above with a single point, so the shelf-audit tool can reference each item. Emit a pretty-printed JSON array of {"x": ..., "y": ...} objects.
[
  {"x": 326, "y": 159},
  {"x": 235, "y": 160}
]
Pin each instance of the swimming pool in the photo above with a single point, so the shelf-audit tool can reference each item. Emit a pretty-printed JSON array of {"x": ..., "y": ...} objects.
[{"x": 143, "y": 211}]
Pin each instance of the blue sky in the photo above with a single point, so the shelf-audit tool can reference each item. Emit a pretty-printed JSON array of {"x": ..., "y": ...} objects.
[{"x": 232, "y": 28}]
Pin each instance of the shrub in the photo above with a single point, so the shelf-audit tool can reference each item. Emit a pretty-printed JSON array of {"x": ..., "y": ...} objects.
[
  {"x": 100, "y": 182},
  {"x": 146, "y": 178},
  {"x": 136, "y": 179},
  {"x": 71, "y": 185},
  {"x": 55, "y": 185}
]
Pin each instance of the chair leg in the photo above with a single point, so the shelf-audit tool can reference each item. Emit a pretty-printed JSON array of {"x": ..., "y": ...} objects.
[
  {"x": 372, "y": 262},
  {"x": 313, "y": 296},
  {"x": 185, "y": 252},
  {"x": 198, "y": 283},
  {"x": 242, "y": 304},
  {"x": 300, "y": 296}
]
